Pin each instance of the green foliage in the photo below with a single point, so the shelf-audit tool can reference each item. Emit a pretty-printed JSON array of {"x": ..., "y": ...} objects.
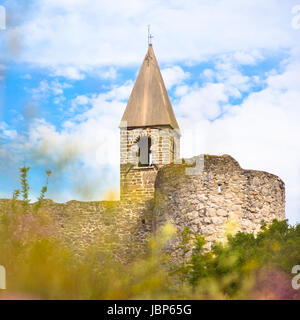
[
  {"x": 43, "y": 192},
  {"x": 233, "y": 263},
  {"x": 199, "y": 261},
  {"x": 25, "y": 191},
  {"x": 24, "y": 186},
  {"x": 183, "y": 269}
]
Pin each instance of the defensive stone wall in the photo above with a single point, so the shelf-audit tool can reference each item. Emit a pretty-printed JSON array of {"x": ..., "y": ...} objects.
[
  {"x": 121, "y": 227},
  {"x": 219, "y": 197},
  {"x": 211, "y": 195}
]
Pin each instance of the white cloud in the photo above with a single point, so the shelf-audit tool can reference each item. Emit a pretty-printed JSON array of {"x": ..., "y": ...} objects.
[
  {"x": 87, "y": 143},
  {"x": 181, "y": 90},
  {"x": 208, "y": 75},
  {"x": 203, "y": 103},
  {"x": 120, "y": 93},
  {"x": 69, "y": 72},
  {"x": 110, "y": 73},
  {"x": 174, "y": 76},
  {"x": 59, "y": 100},
  {"x": 78, "y": 102},
  {"x": 210, "y": 100},
  {"x": 247, "y": 58},
  {"x": 46, "y": 88},
  {"x": 73, "y": 37},
  {"x": 91, "y": 135},
  {"x": 79, "y": 72},
  {"x": 227, "y": 73},
  {"x": 6, "y": 132}
]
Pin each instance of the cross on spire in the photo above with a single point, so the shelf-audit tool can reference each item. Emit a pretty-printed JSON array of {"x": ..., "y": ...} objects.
[{"x": 150, "y": 36}]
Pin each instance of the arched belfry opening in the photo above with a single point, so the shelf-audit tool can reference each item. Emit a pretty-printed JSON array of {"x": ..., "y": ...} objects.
[{"x": 150, "y": 135}]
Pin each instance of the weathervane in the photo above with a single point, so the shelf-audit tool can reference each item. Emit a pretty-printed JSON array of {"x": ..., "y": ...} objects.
[{"x": 150, "y": 36}]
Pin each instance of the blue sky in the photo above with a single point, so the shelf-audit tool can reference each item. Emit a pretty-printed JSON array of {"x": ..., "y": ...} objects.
[{"x": 67, "y": 68}]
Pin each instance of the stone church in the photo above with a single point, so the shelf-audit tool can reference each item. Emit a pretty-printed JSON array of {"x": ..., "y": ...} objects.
[{"x": 207, "y": 193}]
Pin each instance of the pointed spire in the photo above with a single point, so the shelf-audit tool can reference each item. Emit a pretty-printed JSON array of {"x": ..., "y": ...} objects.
[{"x": 149, "y": 103}]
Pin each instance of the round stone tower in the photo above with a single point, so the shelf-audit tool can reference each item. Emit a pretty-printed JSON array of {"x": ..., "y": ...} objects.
[{"x": 211, "y": 194}]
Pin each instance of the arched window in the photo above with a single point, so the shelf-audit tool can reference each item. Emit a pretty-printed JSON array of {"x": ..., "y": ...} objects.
[
  {"x": 219, "y": 188},
  {"x": 144, "y": 154}
]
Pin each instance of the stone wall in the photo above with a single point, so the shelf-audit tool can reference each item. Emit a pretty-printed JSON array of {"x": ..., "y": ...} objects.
[
  {"x": 210, "y": 197},
  {"x": 219, "y": 197},
  {"x": 137, "y": 183},
  {"x": 122, "y": 227}
]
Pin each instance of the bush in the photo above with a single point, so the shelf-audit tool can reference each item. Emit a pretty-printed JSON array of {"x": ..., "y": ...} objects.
[{"x": 237, "y": 266}]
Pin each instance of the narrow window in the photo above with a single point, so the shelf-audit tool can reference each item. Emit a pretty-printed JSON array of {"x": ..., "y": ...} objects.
[
  {"x": 219, "y": 188},
  {"x": 145, "y": 155}
]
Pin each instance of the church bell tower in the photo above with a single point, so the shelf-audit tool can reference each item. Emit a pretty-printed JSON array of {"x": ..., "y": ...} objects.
[{"x": 149, "y": 133}]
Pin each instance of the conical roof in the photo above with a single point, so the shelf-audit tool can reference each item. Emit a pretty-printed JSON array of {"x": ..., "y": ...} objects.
[{"x": 149, "y": 103}]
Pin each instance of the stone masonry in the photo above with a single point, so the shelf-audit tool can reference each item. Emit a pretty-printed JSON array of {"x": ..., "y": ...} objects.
[
  {"x": 120, "y": 227},
  {"x": 137, "y": 182},
  {"x": 219, "y": 198}
]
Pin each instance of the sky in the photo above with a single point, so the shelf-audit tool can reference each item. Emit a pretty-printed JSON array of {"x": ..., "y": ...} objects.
[{"x": 67, "y": 68}]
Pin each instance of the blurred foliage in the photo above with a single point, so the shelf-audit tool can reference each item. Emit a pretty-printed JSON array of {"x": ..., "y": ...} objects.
[
  {"x": 39, "y": 266},
  {"x": 232, "y": 269}
]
